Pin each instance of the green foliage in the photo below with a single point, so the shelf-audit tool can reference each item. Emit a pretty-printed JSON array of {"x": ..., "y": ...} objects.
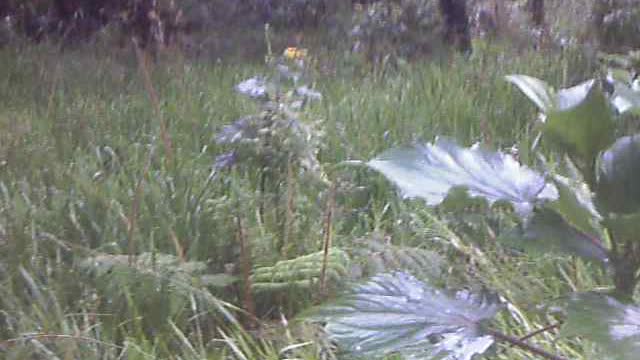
[
  {"x": 606, "y": 321},
  {"x": 558, "y": 216},
  {"x": 396, "y": 313},
  {"x": 618, "y": 189},
  {"x": 431, "y": 171},
  {"x": 577, "y": 119},
  {"x": 302, "y": 272},
  {"x": 73, "y": 149},
  {"x": 547, "y": 232}
]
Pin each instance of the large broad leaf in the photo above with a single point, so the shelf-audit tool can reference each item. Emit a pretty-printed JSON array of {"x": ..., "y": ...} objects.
[
  {"x": 602, "y": 319},
  {"x": 430, "y": 171},
  {"x": 577, "y": 119},
  {"x": 396, "y": 313},
  {"x": 618, "y": 188},
  {"x": 581, "y": 120},
  {"x": 548, "y": 232}
]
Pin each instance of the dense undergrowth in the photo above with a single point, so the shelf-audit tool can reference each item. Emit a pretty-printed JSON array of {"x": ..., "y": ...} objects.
[{"x": 120, "y": 239}]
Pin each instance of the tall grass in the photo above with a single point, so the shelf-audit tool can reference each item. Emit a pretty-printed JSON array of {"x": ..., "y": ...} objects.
[{"x": 77, "y": 132}]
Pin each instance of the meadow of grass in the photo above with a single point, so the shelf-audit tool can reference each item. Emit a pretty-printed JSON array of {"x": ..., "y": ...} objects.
[{"x": 85, "y": 177}]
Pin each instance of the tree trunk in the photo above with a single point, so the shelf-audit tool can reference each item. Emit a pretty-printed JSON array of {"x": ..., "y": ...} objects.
[
  {"x": 536, "y": 11},
  {"x": 456, "y": 23}
]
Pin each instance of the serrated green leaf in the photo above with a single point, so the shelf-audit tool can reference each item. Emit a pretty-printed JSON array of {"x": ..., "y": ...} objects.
[
  {"x": 604, "y": 320},
  {"x": 396, "y": 313},
  {"x": 618, "y": 180},
  {"x": 430, "y": 171},
  {"x": 547, "y": 232},
  {"x": 536, "y": 90}
]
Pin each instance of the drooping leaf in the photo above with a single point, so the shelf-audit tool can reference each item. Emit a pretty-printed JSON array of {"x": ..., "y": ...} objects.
[
  {"x": 577, "y": 119},
  {"x": 396, "y": 313},
  {"x": 536, "y": 90},
  {"x": 618, "y": 181},
  {"x": 607, "y": 322},
  {"x": 430, "y": 171},
  {"x": 580, "y": 121},
  {"x": 576, "y": 206},
  {"x": 547, "y": 232}
]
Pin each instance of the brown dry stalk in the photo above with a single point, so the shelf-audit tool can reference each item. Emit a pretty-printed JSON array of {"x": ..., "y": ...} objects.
[
  {"x": 328, "y": 235},
  {"x": 153, "y": 97}
]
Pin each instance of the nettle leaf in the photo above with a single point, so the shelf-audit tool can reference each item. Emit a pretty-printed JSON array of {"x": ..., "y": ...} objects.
[
  {"x": 430, "y": 171},
  {"x": 548, "y": 232},
  {"x": 618, "y": 180},
  {"x": 577, "y": 118},
  {"x": 396, "y": 313},
  {"x": 604, "y": 320}
]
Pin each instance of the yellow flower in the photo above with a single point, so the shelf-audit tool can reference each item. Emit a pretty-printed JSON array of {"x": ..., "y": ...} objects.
[{"x": 293, "y": 53}]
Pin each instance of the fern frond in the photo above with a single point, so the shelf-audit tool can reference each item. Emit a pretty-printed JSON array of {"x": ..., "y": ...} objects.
[{"x": 302, "y": 272}]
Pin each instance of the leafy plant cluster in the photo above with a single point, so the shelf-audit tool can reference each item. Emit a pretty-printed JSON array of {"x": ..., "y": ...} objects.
[{"x": 585, "y": 203}]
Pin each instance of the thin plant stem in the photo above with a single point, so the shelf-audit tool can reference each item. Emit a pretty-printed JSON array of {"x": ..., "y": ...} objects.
[
  {"x": 328, "y": 235},
  {"x": 514, "y": 341}
]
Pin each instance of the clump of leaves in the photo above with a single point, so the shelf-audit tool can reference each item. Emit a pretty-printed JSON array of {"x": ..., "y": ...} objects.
[
  {"x": 278, "y": 145},
  {"x": 155, "y": 288},
  {"x": 587, "y": 205}
]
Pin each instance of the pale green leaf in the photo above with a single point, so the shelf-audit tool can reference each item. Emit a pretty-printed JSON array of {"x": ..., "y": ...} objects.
[
  {"x": 604, "y": 320},
  {"x": 430, "y": 171},
  {"x": 396, "y": 313},
  {"x": 618, "y": 181}
]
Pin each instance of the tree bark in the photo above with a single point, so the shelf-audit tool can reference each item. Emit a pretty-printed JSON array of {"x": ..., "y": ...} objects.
[
  {"x": 456, "y": 23},
  {"x": 536, "y": 11}
]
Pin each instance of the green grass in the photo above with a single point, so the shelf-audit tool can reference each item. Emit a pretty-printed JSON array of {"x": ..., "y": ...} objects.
[{"x": 76, "y": 133}]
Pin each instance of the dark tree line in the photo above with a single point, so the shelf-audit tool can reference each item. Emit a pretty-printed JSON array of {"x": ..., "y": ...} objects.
[
  {"x": 154, "y": 21},
  {"x": 76, "y": 20}
]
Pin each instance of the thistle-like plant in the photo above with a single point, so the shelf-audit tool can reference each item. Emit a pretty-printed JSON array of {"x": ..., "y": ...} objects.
[
  {"x": 585, "y": 204},
  {"x": 280, "y": 140}
]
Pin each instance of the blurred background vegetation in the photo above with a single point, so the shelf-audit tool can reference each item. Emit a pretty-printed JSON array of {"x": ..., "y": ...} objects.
[{"x": 126, "y": 234}]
